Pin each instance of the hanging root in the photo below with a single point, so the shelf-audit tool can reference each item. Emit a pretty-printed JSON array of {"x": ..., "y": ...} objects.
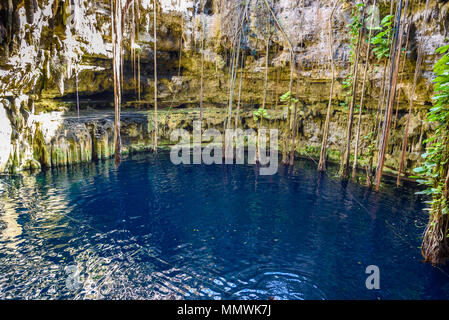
[
  {"x": 30, "y": 8},
  {"x": 446, "y": 186},
  {"x": 118, "y": 154},
  {"x": 435, "y": 247},
  {"x": 369, "y": 178}
]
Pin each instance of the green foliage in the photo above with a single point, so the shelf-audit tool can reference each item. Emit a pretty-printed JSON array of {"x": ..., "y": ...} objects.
[
  {"x": 347, "y": 82},
  {"x": 344, "y": 105},
  {"x": 261, "y": 114},
  {"x": 311, "y": 150},
  {"x": 370, "y": 141},
  {"x": 287, "y": 98},
  {"x": 354, "y": 30},
  {"x": 433, "y": 172},
  {"x": 383, "y": 39}
]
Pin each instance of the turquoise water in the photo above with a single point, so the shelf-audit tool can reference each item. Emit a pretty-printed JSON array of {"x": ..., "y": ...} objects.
[{"x": 153, "y": 230}]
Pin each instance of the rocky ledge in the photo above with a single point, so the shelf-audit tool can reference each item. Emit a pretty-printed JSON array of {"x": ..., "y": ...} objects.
[{"x": 58, "y": 139}]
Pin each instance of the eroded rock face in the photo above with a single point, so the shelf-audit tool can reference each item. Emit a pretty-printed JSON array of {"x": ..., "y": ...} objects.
[
  {"x": 44, "y": 44},
  {"x": 52, "y": 41},
  {"x": 60, "y": 140}
]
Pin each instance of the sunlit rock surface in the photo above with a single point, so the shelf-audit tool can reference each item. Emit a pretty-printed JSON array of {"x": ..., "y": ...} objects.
[{"x": 5, "y": 138}]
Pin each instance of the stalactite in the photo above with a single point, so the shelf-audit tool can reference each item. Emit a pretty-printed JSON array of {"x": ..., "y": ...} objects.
[
  {"x": 427, "y": 11},
  {"x": 180, "y": 65},
  {"x": 10, "y": 21},
  {"x": 29, "y": 10}
]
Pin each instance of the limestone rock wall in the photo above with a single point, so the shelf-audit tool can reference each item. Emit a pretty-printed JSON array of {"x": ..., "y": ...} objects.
[{"x": 47, "y": 45}]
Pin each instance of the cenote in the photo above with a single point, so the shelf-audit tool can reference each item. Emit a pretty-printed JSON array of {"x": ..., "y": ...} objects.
[
  {"x": 150, "y": 229},
  {"x": 353, "y": 97}
]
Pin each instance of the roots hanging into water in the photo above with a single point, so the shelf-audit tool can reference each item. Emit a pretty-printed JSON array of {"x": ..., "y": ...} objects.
[
  {"x": 380, "y": 110},
  {"x": 295, "y": 123},
  {"x": 405, "y": 140},
  {"x": 402, "y": 74},
  {"x": 77, "y": 94},
  {"x": 203, "y": 31},
  {"x": 322, "y": 163},
  {"x": 116, "y": 18},
  {"x": 137, "y": 28},
  {"x": 285, "y": 157},
  {"x": 155, "y": 78},
  {"x": 295, "y": 120},
  {"x": 238, "y": 38},
  {"x": 391, "y": 94},
  {"x": 134, "y": 46},
  {"x": 265, "y": 86},
  {"x": 435, "y": 246},
  {"x": 365, "y": 73},
  {"x": 344, "y": 168},
  {"x": 237, "y": 114}
]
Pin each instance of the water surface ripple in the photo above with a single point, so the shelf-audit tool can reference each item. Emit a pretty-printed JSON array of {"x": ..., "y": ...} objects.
[{"x": 152, "y": 230}]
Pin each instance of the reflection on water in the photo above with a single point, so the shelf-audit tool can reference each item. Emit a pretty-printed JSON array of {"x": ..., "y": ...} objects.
[{"x": 151, "y": 230}]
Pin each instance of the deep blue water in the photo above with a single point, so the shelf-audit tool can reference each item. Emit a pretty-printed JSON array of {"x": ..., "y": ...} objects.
[{"x": 153, "y": 230}]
